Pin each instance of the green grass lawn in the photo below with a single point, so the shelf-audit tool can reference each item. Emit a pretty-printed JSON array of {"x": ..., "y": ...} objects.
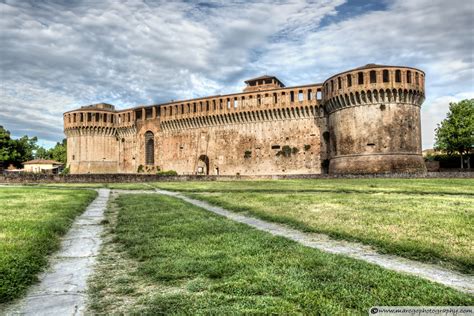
[
  {"x": 31, "y": 223},
  {"x": 424, "y": 219},
  {"x": 165, "y": 256}
]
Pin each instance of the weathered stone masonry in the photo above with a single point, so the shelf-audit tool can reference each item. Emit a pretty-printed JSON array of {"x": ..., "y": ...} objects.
[{"x": 366, "y": 120}]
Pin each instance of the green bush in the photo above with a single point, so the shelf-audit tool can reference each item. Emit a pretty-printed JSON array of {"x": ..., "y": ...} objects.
[
  {"x": 65, "y": 171},
  {"x": 167, "y": 173},
  {"x": 286, "y": 151}
]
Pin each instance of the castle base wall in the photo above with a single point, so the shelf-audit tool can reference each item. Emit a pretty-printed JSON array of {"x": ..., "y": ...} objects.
[
  {"x": 377, "y": 163},
  {"x": 246, "y": 149}
]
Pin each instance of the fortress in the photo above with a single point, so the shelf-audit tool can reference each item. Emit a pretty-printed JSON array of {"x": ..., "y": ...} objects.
[{"x": 365, "y": 120}]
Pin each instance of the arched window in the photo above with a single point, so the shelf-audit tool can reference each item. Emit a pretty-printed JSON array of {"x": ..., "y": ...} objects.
[
  {"x": 373, "y": 76},
  {"x": 385, "y": 76},
  {"x": 149, "y": 148},
  {"x": 361, "y": 78},
  {"x": 349, "y": 80},
  {"x": 398, "y": 76}
]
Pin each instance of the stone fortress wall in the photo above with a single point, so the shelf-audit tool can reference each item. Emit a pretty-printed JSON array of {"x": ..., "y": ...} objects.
[{"x": 366, "y": 120}]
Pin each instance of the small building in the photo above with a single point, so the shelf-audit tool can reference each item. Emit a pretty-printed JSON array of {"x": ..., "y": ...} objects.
[{"x": 43, "y": 166}]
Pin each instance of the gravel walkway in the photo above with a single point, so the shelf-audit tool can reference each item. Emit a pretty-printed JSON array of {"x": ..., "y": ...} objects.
[
  {"x": 458, "y": 281},
  {"x": 62, "y": 288}
]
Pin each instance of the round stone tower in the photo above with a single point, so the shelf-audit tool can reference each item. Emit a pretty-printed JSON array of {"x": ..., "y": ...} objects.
[
  {"x": 91, "y": 139},
  {"x": 374, "y": 119}
]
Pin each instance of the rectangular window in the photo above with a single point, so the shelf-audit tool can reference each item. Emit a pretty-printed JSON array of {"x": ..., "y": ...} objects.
[
  {"x": 292, "y": 96},
  {"x": 349, "y": 80},
  {"x": 310, "y": 94},
  {"x": 373, "y": 77},
  {"x": 235, "y": 103},
  {"x": 300, "y": 96},
  {"x": 385, "y": 76},
  {"x": 360, "y": 78},
  {"x": 398, "y": 76}
]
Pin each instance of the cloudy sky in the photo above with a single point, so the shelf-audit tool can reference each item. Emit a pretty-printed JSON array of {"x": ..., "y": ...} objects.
[{"x": 59, "y": 55}]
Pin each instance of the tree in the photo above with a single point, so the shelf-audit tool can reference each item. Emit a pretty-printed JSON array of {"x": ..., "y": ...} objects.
[
  {"x": 26, "y": 147},
  {"x": 15, "y": 151},
  {"x": 456, "y": 132},
  {"x": 58, "y": 152},
  {"x": 8, "y": 153},
  {"x": 42, "y": 153}
]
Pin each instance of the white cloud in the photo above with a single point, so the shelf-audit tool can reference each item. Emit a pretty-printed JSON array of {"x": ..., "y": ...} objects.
[{"x": 55, "y": 57}]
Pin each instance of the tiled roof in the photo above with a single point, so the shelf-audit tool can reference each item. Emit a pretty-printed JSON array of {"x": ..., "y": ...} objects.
[{"x": 42, "y": 162}]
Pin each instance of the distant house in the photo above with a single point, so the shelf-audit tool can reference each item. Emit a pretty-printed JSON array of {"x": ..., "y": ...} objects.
[{"x": 43, "y": 166}]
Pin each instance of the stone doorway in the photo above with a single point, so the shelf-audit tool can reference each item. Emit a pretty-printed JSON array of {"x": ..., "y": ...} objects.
[{"x": 203, "y": 165}]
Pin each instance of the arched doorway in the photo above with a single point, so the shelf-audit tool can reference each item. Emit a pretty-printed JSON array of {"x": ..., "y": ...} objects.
[
  {"x": 149, "y": 148},
  {"x": 203, "y": 165}
]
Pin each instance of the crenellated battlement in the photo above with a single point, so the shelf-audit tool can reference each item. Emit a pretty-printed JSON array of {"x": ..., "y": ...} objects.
[
  {"x": 364, "y": 120},
  {"x": 372, "y": 84}
]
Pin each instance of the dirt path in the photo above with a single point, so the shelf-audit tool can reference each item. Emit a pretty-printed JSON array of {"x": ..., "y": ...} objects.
[
  {"x": 458, "y": 281},
  {"x": 62, "y": 289}
]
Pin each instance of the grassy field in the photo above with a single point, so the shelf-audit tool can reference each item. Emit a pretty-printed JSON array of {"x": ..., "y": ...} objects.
[
  {"x": 31, "y": 222},
  {"x": 164, "y": 256},
  {"x": 424, "y": 219}
]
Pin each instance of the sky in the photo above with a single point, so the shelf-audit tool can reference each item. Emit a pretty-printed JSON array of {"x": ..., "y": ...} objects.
[{"x": 59, "y": 55}]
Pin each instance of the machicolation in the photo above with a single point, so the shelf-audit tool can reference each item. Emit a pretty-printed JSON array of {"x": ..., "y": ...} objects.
[{"x": 365, "y": 120}]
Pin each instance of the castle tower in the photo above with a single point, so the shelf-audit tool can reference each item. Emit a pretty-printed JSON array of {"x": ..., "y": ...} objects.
[
  {"x": 91, "y": 139},
  {"x": 374, "y": 119}
]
